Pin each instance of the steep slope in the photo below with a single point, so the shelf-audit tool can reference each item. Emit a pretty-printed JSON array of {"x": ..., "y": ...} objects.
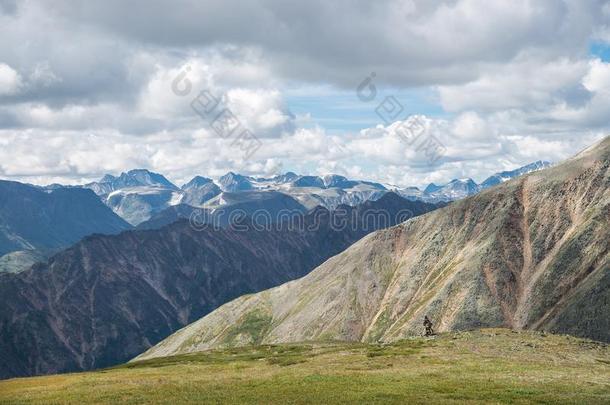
[
  {"x": 138, "y": 204},
  {"x": 171, "y": 215},
  {"x": 266, "y": 205},
  {"x": 198, "y": 191},
  {"x": 532, "y": 253},
  {"x": 232, "y": 182},
  {"x": 108, "y": 298},
  {"x": 32, "y": 218}
]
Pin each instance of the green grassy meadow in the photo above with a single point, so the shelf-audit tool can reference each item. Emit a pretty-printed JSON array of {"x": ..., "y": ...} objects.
[{"x": 487, "y": 366}]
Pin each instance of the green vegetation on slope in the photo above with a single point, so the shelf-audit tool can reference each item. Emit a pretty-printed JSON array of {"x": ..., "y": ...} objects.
[
  {"x": 494, "y": 365},
  {"x": 254, "y": 326}
]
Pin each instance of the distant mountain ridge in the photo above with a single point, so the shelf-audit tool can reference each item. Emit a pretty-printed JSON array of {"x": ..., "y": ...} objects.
[
  {"x": 457, "y": 189},
  {"x": 501, "y": 177},
  {"x": 140, "y": 195}
]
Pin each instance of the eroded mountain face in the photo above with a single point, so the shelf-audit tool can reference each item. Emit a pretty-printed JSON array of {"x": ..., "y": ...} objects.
[
  {"x": 108, "y": 298},
  {"x": 532, "y": 253}
]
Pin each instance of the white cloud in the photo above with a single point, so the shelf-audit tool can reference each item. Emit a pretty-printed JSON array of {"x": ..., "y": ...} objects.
[
  {"x": 526, "y": 82},
  {"x": 374, "y": 154},
  {"x": 10, "y": 80},
  {"x": 263, "y": 111},
  {"x": 470, "y": 125},
  {"x": 514, "y": 79},
  {"x": 597, "y": 79},
  {"x": 171, "y": 90}
]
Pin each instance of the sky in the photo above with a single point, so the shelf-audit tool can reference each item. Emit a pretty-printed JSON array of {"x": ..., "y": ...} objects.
[{"x": 396, "y": 91}]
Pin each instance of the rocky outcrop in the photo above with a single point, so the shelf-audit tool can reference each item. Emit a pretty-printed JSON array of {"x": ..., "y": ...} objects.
[{"x": 531, "y": 253}]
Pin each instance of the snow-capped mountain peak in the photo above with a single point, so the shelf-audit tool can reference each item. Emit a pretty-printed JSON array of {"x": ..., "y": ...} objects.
[
  {"x": 501, "y": 177},
  {"x": 197, "y": 181},
  {"x": 133, "y": 178},
  {"x": 138, "y": 194},
  {"x": 233, "y": 182}
]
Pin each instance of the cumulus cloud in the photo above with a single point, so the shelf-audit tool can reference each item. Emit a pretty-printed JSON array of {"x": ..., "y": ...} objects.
[
  {"x": 88, "y": 89},
  {"x": 10, "y": 80},
  {"x": 470, "y": 125},
  {"x": 524, "y": 82}
]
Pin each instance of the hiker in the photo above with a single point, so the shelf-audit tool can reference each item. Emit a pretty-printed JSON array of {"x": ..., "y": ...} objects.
[{"x": 428, "y": 326}]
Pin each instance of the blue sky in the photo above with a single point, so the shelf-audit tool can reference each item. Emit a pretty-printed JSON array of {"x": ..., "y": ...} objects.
[
  {"x": 600, "y": 50},
  {"x": 340, "y": 111}
]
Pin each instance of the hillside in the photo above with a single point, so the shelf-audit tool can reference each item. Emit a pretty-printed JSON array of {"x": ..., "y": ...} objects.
[
  {"x": 531, "y": 253},
  {"x": 32, "y": 218},
  {"x": 493, "y": 365},
  {"x": 108, "y": 298}
]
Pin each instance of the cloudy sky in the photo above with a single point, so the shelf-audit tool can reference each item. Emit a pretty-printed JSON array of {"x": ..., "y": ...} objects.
[{"x": 88, "y": 88}]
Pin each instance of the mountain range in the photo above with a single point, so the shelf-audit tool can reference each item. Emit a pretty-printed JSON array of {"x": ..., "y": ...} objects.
[
  {"x": 461, "y": 188},
  {"x": 531, "y": 253},
  {"x": 33, "y": 230},
  {"x": 108, "y": 298},
  {"x": 140, "y": 195},
  {"x": 117, "y": 290}
]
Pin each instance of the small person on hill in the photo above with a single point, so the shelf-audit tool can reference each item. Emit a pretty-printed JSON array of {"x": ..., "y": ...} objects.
[{"x": 428, "y": 326}]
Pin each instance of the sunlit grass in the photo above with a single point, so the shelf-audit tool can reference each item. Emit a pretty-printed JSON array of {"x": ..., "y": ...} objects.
[{"x": 492, "y": 365}]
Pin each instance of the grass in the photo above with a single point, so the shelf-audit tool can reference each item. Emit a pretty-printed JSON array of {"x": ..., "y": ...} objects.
[
  {"x": 254, "y": 325},
  {"x": 491, "y": 365}
]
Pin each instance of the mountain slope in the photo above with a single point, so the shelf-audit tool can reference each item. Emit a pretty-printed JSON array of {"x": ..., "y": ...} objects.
[
  {"x": 198, "y": 191},
  {"x": 108, "y": 298},
  {"x": 267, "y": 207},
  {"x": 31, "y": 218},
  {"x": 531, "y": 253},
  {"x": 171, "y": 215},
  {"x": 265, "y": 204}
]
